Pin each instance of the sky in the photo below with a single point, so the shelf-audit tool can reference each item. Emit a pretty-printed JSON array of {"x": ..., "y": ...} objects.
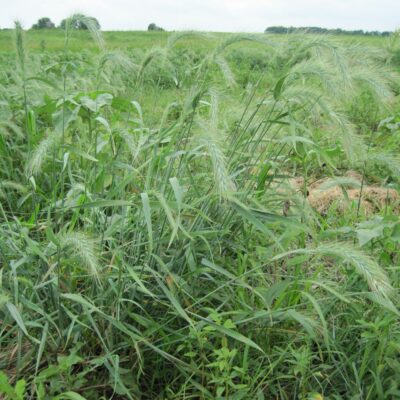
[{"x": 211, "y": 15}]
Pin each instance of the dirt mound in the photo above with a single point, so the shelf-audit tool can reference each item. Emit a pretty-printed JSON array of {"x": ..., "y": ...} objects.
[
  {"x": 323, "y": 193},
  {"x": 373, "y": 198}
]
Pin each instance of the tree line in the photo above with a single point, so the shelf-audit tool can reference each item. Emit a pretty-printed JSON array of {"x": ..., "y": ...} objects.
[
  {"x": 47, "y": 23},
  {"x": 319, "y": 30}
]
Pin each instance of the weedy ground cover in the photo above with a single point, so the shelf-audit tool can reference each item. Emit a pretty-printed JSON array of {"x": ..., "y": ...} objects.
[{"x": 151, "y": 243}]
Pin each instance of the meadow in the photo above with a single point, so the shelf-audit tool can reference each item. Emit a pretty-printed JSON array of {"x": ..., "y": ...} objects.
[{"x": 194, "y": 215}]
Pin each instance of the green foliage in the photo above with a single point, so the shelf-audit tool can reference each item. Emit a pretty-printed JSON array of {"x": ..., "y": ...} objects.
[
  {"x": 44, "y": 23},
  {"x": 151, "y": 246},
  {"x": 154, "y": 27},
  {"x": 318, "y": 31},
  {"x": 12, "y": 393}
]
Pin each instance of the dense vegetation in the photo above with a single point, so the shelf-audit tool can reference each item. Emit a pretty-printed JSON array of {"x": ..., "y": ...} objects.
[
  {"x": 153, "y": 241},
  {"x": 154, "y": 27},
  {"x": 44, "y": 23},
  {"x": 318, "y": 30}
]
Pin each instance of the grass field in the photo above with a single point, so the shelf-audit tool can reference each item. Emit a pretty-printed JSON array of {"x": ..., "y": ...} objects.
[
  {"x": 53, "y": 39},
  {"x": 198, "y": 216}
]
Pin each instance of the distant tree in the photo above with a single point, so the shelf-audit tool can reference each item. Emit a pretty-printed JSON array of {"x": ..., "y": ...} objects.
[
  {"x": 277, "y": 29},
  {"x": 154, "y": 27},
  {"x": 44, "y": 23},
  {"x": 80, "y": 22}
]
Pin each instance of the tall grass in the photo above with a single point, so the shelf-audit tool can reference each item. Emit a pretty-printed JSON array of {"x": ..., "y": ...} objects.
[{"x": 147, "y": 247}]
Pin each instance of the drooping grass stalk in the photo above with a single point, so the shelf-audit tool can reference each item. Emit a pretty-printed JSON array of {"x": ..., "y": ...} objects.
[
  {"x": 183, "y": 138},
  {"x": 65, "y": 66},
  {"x": 21, "y": 58}
]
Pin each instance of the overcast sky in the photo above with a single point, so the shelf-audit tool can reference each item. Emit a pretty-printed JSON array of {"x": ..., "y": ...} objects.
[{"x": 211, "y": 15}]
